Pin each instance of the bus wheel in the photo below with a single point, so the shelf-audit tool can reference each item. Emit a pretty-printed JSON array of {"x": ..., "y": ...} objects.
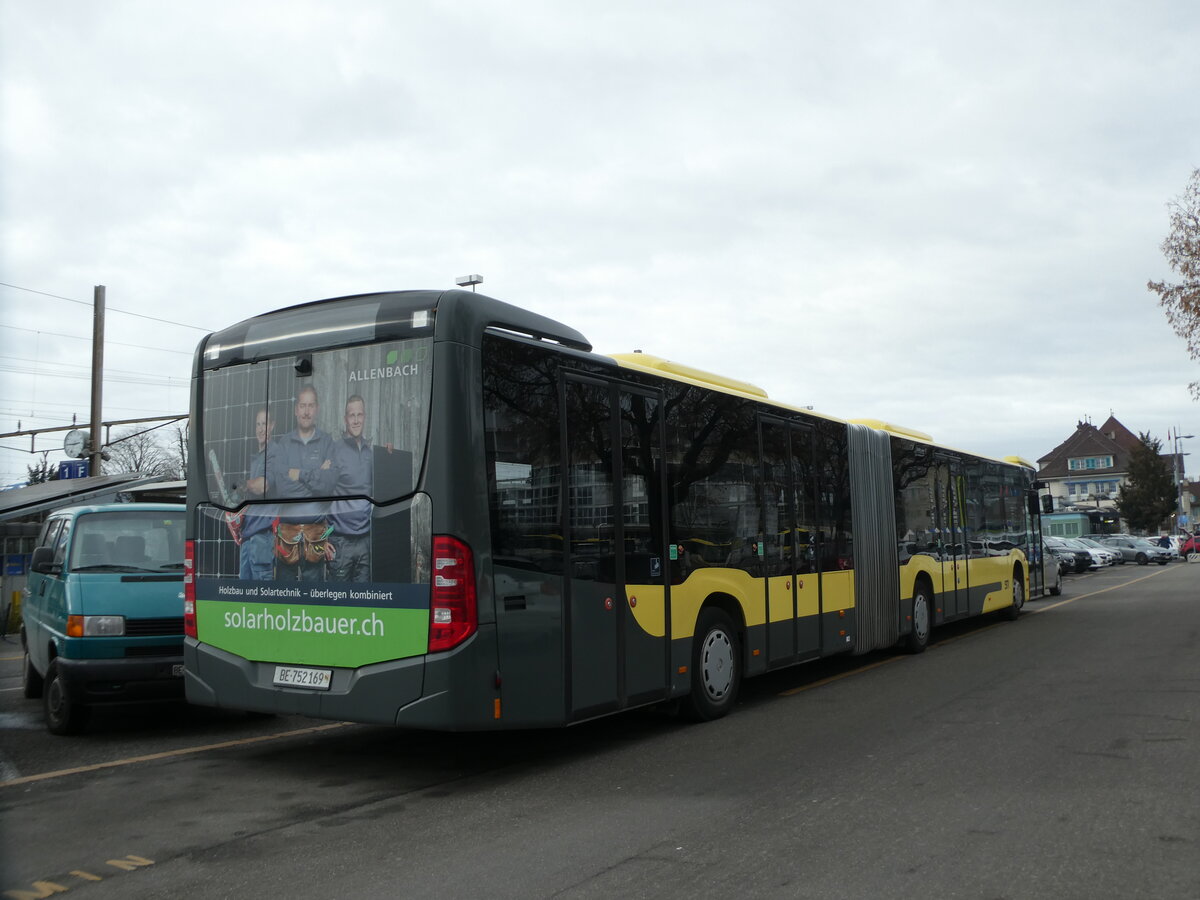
[
  {"x": 716, "y": 667},
  {"x": 31, "y": 681},
  {"x": 1018, "y": 603},
  {"x": 922, "y": 618},
  {"x": 63, "y": 715}
]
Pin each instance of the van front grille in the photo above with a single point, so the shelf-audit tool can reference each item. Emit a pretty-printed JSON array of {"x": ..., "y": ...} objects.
[
  {"x": 155, "y": 650},
  {"x": 144, "y": 627}
]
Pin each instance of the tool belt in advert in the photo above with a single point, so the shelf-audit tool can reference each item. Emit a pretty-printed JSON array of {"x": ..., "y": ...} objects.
[{"x": 308, "y": 541}]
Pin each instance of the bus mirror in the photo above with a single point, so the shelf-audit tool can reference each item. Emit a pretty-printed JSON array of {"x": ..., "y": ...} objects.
[{"x": 1047, "y": 503}]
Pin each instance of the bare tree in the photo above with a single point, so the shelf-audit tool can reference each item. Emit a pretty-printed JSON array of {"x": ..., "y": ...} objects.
[
  {"x": 1182, "y": 249},
  {"x": 139, "y": 451},
  {"x": 177, "y": 454}
]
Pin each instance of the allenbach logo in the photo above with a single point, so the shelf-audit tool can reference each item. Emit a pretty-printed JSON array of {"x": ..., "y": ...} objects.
[{"x": 398, "y": 364}]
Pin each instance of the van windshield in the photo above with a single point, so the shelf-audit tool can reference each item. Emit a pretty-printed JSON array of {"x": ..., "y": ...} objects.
[{"x": 133, "y": 541}]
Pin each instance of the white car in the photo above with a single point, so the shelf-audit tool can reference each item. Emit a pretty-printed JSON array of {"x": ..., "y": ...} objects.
[
  {"x": 1114, "y": 556},
  {"x": 1100, "y": 558}
]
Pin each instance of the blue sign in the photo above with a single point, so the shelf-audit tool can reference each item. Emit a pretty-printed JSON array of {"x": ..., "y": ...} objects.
[
  {"x": 16, "y": 564},
  {"x": 73, "y": 468}
]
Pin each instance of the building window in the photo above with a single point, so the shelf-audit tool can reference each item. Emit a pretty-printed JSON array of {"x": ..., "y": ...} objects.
[{"x": 1089, "y": 462}]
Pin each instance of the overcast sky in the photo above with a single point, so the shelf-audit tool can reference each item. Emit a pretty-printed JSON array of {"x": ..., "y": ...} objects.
[{"x": 937, "y": 214}]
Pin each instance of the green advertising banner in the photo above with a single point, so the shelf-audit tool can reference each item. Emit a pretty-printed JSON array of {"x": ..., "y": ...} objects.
[{"x": 316, "y": 635}]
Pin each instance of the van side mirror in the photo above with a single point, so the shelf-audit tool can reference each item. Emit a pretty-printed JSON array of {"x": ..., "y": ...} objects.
[{"x": 42, "y": 561}]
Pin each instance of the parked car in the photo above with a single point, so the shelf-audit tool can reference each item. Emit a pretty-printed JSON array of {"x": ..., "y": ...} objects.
[
  {"x": 1114, "y": 555},
  {"x": 102, "y": 617},
  {"x": 1139, "y": 550},
  {"x": 1080, "y": 558},
  {"x": 1155, "y": 553},
  {"x": 1053, "y": 567},
  {"x": 1190, "y": 549},
  {"x": 1100, "y": 558}
]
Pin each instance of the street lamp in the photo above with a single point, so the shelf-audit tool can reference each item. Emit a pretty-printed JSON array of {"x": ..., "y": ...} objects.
[{"x": 1182, "y": 515}]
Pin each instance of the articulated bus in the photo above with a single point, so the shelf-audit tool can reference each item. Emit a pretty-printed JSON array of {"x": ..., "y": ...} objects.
[{"x": 437, "y": 510}]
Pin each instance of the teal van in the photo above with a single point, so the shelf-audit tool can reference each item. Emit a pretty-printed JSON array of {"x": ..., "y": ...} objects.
[{"x": 102, "y": 616}]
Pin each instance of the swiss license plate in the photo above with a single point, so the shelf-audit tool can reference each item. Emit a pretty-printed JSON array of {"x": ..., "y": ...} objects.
[{"x": 294, "y": 676}]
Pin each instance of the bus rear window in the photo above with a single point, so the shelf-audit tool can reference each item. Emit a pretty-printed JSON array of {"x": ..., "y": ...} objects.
[{"x": 364, "y": 411}]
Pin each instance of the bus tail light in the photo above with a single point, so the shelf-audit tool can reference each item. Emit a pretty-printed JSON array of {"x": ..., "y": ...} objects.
[
  {"x": 189, "y": 588},
  {"x": 453, "y": 612}
]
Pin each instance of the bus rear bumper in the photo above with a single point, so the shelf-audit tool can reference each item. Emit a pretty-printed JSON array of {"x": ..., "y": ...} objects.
[
  {"x": 420, "y": 692},
  {"x": 371, "y": 694}
]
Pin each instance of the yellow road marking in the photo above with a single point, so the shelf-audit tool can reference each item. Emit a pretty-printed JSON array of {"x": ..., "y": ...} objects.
[
  {"x": 1058, "y": 603},
  {"x": 10, "y": 658},
  {"x": 184, "y": 751},
  {"x": 942, "y": 643}
]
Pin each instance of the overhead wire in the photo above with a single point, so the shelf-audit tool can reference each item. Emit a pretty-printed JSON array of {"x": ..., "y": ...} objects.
[
  {"x": 107, "y": 342},
  {"x": 126, "y": 312}
]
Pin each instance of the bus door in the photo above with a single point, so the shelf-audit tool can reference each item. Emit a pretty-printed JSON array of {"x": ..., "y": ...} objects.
[
  {"x": 616, "y": 628},
  {"x": 1029, "y": 515},
  {"x": 953, "y": 550},
  {"x": 792, "y": 585}
]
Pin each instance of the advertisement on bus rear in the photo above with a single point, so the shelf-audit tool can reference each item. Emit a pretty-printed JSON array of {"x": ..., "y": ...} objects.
[{"x": 313, "y": 547}]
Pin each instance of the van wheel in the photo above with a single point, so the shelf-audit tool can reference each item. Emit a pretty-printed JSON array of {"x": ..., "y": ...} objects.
[
  {"x": 716, "y": 667},
  {"x": 31, "y": 681},
  {"x": 63, "y": 715}
]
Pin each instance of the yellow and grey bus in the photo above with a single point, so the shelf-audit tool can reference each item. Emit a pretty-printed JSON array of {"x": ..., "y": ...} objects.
[{"x": 438, "y": 510}]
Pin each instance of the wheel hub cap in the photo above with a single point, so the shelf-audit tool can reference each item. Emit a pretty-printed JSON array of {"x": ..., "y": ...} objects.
[{"x": 717, "y": 664}]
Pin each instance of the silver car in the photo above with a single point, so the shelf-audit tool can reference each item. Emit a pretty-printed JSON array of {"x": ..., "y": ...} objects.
[{"x": 1138, "y": 550}]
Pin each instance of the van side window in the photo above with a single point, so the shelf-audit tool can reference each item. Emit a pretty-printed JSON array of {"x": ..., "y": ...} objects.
[
  {"x": 49, "y": 533},
  {"x": 60, "y": 545}
]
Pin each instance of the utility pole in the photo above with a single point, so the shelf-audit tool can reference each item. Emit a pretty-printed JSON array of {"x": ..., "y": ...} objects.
[{"x": 97, "y": 378}]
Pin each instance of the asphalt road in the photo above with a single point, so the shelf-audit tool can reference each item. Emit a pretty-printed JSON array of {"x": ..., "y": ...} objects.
[{"x": 1057, "y": 756}]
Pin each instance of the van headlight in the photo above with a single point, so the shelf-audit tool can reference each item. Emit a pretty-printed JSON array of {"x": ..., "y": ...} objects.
[{"x": 95, "y": 626}]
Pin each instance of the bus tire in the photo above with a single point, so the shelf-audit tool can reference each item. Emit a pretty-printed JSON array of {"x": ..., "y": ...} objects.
[
  {"x": 716, "y": 667},
  {"x": 31, "y": 681},
  {"x": 63, "y": 715},
  {"x": 1013, "y": 611},
  {"x": 922, "y": 617}
]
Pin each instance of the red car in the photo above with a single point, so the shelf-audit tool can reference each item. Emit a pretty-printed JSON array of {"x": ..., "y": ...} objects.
[{"x": 1190, "y": 549}]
